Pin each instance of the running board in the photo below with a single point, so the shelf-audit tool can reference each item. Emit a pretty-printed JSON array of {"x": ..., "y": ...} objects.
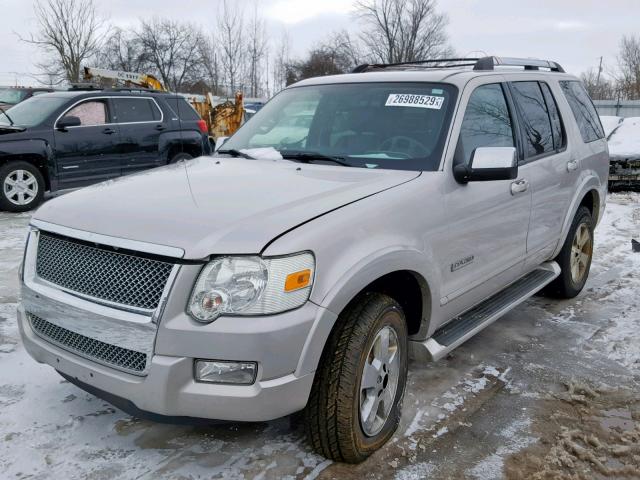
[{"x": 462, "y": 328}]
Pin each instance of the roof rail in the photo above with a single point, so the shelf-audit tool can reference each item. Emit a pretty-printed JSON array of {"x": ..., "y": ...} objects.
[
  {"x": 480, "y": 64},
  {"x": 430, "y": 63},
  {"x": 84, "y": 87},
  {"x": 134, "y": 89},
  {"x": 489, "y": 63}
]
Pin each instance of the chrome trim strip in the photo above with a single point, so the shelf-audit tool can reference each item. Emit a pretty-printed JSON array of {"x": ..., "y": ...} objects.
[
  {"x": 111, "y": 123},
  {"x": 126, "y": 243}
]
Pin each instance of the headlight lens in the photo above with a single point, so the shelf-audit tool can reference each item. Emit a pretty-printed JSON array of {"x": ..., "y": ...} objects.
[{"x": 251, "y": 286}]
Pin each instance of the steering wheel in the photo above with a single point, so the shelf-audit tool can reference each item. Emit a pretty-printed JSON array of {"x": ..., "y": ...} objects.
[{"x": 406, "y": 145}]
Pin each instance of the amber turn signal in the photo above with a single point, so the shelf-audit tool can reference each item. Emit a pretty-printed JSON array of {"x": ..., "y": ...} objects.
[{"x": 297, "y": 280}]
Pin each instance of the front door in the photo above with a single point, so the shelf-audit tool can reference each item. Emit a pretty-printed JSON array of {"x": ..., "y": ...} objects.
[
  {"x": 487, "y": 221},
  {"x": 141, "y": 124},
  {"x": 87, "y": 153}
]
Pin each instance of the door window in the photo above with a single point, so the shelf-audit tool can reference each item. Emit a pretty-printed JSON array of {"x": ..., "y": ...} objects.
[
  {"x": 556, "y": 122},
  {"x": 133, "y": 110},
  {"x": 536, "y": 124},
  {"x": 93, "y": 112},
  {"x": 486, "y": 123},
  {"x": 583, "y": 110}
]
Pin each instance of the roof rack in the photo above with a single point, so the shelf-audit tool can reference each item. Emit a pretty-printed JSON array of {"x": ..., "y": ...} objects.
[
  {"x": 84, "y": 87},
  {"x": 479, "y": 64}
]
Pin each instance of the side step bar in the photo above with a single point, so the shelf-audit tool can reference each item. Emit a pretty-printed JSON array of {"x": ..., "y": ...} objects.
[{"x": 462, "y": 328}]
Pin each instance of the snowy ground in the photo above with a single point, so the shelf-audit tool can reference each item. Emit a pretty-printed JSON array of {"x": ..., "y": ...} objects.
[{"x": 549, "y": 391}]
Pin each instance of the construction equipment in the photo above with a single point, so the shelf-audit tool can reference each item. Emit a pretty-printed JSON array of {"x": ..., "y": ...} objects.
[{"x": 223, "y": 118}]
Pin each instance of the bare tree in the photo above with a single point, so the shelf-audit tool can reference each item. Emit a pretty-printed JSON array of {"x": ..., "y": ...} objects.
[
  {"x": 231, "y": 43},
  {"x": 70, "y": 32},
  {"x": 322, "y": 60},
  {"x": 598, "y": 87},
  {"x": 256, "y": 50},
  {"x": 281, "y": 63},
  {"x": 403, "y": 30},
  {"x": 629, "y": 67},
  {"x": 173, "y": 49},
  {"x": 124, "y": 50},
  {"x": 211, "y": 63}
]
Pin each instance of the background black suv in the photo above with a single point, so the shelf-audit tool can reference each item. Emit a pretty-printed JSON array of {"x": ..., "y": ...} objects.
[{"x": 71, "y": 139}]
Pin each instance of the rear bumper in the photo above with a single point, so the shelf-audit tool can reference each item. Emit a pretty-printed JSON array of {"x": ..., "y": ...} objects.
[{"x": 169, "y": 392}]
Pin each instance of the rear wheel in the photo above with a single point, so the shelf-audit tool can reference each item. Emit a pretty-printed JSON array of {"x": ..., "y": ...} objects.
[
  {"x": 575, "y": 257},
  {"x": 356, "y": 399},
  {"x": 22, "y": 187}
]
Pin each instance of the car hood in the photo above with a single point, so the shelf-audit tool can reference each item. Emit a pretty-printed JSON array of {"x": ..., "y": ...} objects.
[{"x": 216, "y": 205}]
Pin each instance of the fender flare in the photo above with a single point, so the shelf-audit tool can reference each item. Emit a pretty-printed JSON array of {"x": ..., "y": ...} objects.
[
  {"x": 35, "y": 151},
  {"x": 588, "y": 184},
  {"x": 352, "y": 282}
]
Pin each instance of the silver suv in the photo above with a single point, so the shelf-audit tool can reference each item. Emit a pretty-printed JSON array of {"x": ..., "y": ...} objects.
[{"x": 354, "y": 221}]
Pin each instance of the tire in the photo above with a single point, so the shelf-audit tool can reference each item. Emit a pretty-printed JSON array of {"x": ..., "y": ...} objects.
[
  {"x": 180, "y": 156},
  {"x": 333, "y": 412},
  {"x": 574, "y": 258},
  {"x": 21, "y": 187}
]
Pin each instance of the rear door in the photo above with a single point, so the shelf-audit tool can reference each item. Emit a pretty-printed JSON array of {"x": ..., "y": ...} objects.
[
  {"x": 487, "y": 222},
  {"x": 87, "y": 153},
  {"x": 544, "y": 165},
  {"x": 141, "y": 122}
]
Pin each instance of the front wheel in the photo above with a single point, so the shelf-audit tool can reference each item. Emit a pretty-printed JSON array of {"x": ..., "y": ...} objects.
[
  {"x": 574, "y": 258},
  {"x": 356, "y": 399},
  {"x": 22, "y": 187}
]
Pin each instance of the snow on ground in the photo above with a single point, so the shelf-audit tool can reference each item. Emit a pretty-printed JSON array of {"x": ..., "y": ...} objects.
[
  {"x": 610, "y": 123},
  {"x": 625, "y": 140},
  {"x": 501, "y": 396}
]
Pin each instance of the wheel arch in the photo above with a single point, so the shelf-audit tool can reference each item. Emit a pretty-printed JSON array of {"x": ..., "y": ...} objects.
[
  {"x": 393, "y": 274},
  {"x": 38, "y": 154},
  {"x": 589, "y": 194}
]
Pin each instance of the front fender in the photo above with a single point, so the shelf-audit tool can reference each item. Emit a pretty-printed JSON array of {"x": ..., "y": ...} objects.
[{"x": 355, "y": 277}]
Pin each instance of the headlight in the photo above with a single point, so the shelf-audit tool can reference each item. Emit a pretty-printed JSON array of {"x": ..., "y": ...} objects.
[{"x": 251, "y": 286}]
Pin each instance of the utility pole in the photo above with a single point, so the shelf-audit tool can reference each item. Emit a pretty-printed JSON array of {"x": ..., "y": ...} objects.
[{"x": 598, "y": 79}]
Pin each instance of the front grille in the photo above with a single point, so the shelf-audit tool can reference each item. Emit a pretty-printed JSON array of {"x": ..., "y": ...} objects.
[
  {"x": 102, "y": 273},
  {"x": 111, "y": 355}
]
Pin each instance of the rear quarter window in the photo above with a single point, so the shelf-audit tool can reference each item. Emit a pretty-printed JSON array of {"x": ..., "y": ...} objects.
[
  {"x": 182, "y": 109},
  {"x": 583, "y": 111}
]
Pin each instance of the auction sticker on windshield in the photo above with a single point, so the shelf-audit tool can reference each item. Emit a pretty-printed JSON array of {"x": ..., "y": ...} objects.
[{"x": 410, "y": 100}]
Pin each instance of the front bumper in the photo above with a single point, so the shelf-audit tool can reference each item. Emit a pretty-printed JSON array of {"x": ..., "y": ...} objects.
[{"x": 169, "y": 388}]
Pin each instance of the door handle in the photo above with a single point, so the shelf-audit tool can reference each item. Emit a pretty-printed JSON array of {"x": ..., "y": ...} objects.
[
  {"x": 108, "y": 131},
  {"x": 572, "y": 165},
  {"x": 160, "y": 127},
  {"x": 519, "y": 186}
]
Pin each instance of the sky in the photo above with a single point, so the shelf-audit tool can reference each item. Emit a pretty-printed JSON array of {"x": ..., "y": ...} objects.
[{"x": 574, "y": 33}]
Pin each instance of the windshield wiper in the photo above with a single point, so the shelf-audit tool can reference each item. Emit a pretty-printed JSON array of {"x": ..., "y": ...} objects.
[
  {"x": 4, "y": 112},
  {"x": 236, "y": 153},
  {"x": 309, "y": 157}
]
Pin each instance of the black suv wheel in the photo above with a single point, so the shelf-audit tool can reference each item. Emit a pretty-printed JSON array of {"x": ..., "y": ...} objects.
[{"x": 22, "y": 187}]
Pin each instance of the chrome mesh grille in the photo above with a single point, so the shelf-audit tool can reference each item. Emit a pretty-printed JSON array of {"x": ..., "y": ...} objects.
[
  {"x": 100, "y": 273},
  {"x": 122, "y": 358}
]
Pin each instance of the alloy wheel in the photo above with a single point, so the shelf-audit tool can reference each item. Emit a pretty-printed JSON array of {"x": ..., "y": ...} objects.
[
  {"x": 581, "y": 250},
  {"x": 379, "y": 381},
  {"x": 20, "y": 187}
]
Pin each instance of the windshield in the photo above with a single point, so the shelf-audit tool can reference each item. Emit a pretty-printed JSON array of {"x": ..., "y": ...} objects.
[
  {"x": 373, "y": 125},
  {"x": 32, "y": 111},
  {"x": 11, "y": 96}
]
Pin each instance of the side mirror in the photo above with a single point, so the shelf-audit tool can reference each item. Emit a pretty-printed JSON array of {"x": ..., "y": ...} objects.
[
  {"x": 488, "y": 163},
  {"x": 219, "y": 142},
  {"x": 68, "y": 121}
]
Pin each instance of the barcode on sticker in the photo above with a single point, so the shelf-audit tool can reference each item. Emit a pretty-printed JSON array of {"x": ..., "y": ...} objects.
[{"x": 411, "y": 100}]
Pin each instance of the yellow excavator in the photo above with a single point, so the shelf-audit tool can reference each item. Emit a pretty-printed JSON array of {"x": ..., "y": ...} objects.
[{"x": 222, "y": 118}]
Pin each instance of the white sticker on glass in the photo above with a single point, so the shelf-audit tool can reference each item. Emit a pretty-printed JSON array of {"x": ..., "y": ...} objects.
[{"x": 411, "y": 100}]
